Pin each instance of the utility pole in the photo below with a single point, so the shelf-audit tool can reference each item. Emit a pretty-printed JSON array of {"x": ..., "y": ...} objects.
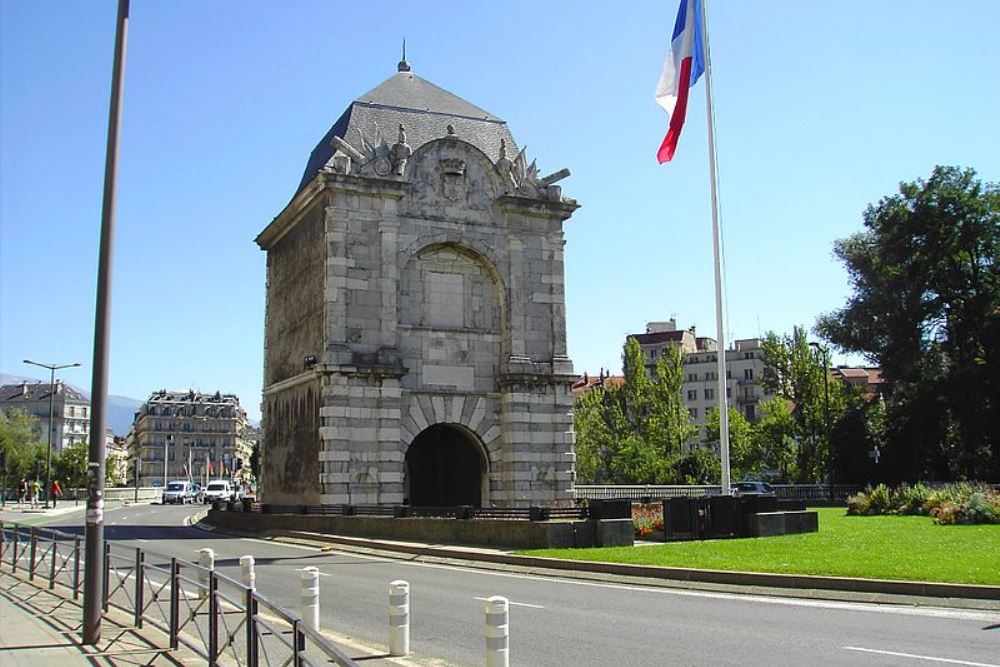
[{"x": 93, "y": 580}]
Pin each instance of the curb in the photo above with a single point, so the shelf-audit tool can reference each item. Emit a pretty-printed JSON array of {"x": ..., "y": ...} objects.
[{"x": 977, "y": 592}]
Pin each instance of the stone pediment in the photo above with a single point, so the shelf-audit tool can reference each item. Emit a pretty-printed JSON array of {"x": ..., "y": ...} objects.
[{"x": 451, "y": 179}]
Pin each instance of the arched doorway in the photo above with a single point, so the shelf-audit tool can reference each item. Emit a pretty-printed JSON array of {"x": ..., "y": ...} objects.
[{"x": 446, "y": 465}]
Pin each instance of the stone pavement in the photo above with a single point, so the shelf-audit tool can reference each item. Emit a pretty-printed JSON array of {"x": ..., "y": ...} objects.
[{"x": 39, "y": 627}]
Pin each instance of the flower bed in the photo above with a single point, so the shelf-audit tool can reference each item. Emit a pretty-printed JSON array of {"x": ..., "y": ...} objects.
[
  {"x": 647, "y": 518},
  {"x": 959, "y": 503}
]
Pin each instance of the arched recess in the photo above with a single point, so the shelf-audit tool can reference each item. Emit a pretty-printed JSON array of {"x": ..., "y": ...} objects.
[{"x": 446, "y": 464}]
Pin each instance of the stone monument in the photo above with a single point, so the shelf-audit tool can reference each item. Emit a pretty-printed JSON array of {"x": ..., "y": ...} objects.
[{"x": 415, "y": 330}]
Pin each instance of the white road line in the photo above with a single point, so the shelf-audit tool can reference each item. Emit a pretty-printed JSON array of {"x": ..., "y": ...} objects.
[
  {"x": 515, "y": 604},
  {"x": 932, "y": 612},
  {"x": 950, "y": 661}
]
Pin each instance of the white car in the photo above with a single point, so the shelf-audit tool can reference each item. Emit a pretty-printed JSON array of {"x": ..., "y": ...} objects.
[
  {"x": 219, "y": 489},
  {"x": 178, "y": 491}
]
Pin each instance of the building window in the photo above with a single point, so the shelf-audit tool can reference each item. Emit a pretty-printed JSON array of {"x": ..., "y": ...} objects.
[
  {"x": 692, "y": 377},
  {"x": 748, "y": 355},
  {"x": 692, "y": 394},
  {"x": 693, "y": 412},
  {"x": 709, "y": 394},
  {"x": 751, "y": 412},
  {"x": 652, "y": 354},
  {"x": 729, "y": 375},
  {"x": 747, "y": 373},
  {"x": 729, "y": 392}
]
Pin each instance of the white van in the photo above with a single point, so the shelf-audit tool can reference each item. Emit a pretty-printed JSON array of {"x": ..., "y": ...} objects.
[
  {"x": 178, "y": 491},
  {"x": 218, "y": 489}
]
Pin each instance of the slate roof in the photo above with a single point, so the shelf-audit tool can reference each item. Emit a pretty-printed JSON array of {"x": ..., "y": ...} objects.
[
  {"x": 424, "y": 109},
  {"x": 29, "y": 392}
]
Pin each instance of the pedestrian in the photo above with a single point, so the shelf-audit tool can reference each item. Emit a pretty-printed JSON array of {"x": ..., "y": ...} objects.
[
  {"x": 22, "y": 491},
  {"x": 35, "y": 492},
  {"x": 56, "y": 491}
]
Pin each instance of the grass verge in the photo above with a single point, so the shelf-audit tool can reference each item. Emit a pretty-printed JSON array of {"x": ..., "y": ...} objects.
[{"x": 911, "y": 548}]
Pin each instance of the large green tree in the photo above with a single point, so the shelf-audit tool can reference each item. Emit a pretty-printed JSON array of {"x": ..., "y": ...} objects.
[
  {"x": 926, "y": 308},
  {"x": 746, "y": 456},
  {"x": 634, "y": 432},
  {"x": 798, "y": 373},
  {"x": 23, "y": 452}
]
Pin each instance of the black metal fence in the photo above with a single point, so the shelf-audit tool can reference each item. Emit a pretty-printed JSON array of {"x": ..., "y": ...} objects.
[
  {"x": 464, "y": 512},
  {"x": 652, "y": 493},
  {"x": 222, "y": 620}
]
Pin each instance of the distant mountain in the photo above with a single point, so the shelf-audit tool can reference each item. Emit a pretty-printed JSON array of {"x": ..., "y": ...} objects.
[{"x": 121, "y": 409}]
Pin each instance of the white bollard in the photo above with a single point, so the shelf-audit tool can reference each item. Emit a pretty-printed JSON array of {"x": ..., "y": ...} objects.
[
  {"x": 206, "y": 558},
  {"x": 497, "y": 632},
  {"x": 309, "y": 605},
  {"x": 399, "y": 618},
  {"x": 247, "y": 574}
]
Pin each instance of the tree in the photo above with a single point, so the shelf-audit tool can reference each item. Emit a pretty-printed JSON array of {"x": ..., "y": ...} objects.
[
  {"x": 745, "y": 454},
  {"x": 793, "y": 372},
  {"x": 20, "y": 444},
  {"x": 70, "y": 466},
  {"x": 926, "y": 308},
  {"x": 634, "y": 433}
]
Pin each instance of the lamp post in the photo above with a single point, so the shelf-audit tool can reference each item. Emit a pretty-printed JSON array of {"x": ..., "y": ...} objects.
[
  {"x": 52, "y": 391},
  {"x": 826, "y": 410}
]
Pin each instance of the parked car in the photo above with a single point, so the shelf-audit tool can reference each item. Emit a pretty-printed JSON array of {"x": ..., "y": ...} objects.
[
  {"x": 218, "y": 489},
  {"x": 753, "y": 488},
  {"x": 178, "y": 492}
]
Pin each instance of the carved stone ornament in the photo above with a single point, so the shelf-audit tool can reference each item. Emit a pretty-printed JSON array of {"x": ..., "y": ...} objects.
[
  {"x": 453, "y": 178},
  {"x": 505, "y": 168},
  {"x": 400, "y": 152}
]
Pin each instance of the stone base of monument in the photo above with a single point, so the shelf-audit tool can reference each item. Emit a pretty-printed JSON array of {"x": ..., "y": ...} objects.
[
  {"x": 767, "y": 524},
  {"x": 471, "y": 532},
  {"x": 716, "y": 517}
]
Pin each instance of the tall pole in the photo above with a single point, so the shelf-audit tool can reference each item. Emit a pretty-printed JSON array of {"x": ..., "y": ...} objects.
[
  {"x": 720, "y": 324},
  {"x": 826, "y": 418},
  {"x": 52, "y": 395},
  {"x": 52, "y": 425},
  {"x": 93, "y": 574}
]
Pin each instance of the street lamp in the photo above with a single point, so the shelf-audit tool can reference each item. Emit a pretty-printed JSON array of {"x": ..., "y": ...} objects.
[
  {"x": 826, "y": 410},
  {"x": 52, "y": 391}
]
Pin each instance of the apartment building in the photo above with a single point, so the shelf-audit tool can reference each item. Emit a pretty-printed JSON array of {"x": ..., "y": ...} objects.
[
  {"x": 744, "y": 370},
  {"x": 70, "y": 410},
  {"x": 189, "y": 435}
]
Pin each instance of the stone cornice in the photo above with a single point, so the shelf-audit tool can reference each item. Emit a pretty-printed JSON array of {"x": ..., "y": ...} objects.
[
  {"x": 293, "y": 211},
  {"x": 537, "y": 207}
]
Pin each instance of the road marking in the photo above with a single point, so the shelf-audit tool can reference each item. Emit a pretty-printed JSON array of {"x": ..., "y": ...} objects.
[
  {"x": 950, "y": 661},
  {"x": 932, "y": 612},
  {"x": 515, "y": 604}
]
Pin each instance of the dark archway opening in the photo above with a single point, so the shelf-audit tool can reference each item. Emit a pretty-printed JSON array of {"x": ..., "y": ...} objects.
[{"x": 445, "y": 466}]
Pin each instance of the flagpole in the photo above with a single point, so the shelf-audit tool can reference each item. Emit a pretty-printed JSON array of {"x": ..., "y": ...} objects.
[{"x": 720, "y": 325}]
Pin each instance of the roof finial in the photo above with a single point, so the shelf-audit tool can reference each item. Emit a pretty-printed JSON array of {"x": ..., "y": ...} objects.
[{"x": 403, "y": 66}]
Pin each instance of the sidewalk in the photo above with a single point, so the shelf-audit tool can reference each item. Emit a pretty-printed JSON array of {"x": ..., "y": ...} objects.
[{"x": 41, "y": 628}]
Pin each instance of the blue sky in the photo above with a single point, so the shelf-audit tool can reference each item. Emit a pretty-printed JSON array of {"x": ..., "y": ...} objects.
[{"x": 822, "y": 108}]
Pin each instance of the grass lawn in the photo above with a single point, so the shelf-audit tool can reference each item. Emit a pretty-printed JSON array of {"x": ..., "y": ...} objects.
[{"x": 871, "y": 547}]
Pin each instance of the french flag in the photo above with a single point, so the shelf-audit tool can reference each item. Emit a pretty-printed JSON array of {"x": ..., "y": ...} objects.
[{"x": 685, "y": 63}]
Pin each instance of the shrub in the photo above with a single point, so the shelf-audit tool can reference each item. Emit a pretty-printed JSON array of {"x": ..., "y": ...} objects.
[
  {"x": 911, "y": 499},
  {"x": 959, "y": 503},
  {"x": 880, "y": 500},
  {"x": 858, "y": 504}
]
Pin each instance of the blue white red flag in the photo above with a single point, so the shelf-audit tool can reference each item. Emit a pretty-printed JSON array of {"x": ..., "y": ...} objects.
[{"x": 685, "y": 63}]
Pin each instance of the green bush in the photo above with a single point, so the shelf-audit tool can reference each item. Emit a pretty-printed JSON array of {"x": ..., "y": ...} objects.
[
  {"x": 911, "y": 499},
  {"x": 980, "y": 508},
  {"x": 880, "y": 500},
  {"x": 858, "y": 504},
  {"x": 958, "y": 503}
]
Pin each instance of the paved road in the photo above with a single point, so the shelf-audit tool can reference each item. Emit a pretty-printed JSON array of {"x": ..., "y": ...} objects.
[{"x": 563, "y": 622}]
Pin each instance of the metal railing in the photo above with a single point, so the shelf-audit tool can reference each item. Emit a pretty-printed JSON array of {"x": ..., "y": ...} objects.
[
  {"x": 652, "y": 492},
  {"x": 465, "y": 512},
  {"x": 218, "y": 618}
]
